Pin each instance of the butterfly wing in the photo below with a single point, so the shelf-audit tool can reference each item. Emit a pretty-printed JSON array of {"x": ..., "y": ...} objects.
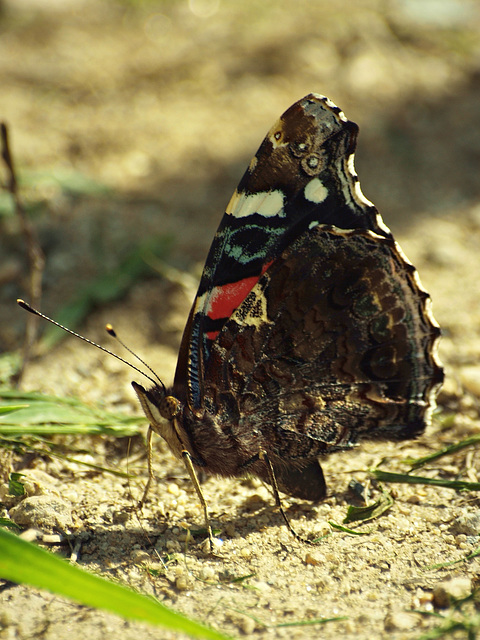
[
  {"x": 334, "y": 343},
  {"x": 301, "y": 175}
]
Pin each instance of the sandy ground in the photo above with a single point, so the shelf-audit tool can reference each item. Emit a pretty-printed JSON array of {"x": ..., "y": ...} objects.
[{"x": 132, "y": 121}]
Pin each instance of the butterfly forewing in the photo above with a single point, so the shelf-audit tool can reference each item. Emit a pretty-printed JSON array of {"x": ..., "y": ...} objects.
[{"x": 301, "y": 175}]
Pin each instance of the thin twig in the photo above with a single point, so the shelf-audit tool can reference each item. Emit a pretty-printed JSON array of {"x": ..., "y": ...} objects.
[{"x": 36, "y": 258}]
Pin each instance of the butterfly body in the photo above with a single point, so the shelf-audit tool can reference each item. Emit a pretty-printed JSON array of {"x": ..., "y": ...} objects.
[{"x": 310, "y": 330}]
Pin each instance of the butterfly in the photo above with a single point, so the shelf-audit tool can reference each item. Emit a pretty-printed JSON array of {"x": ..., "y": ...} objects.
[{"x": 310, "y": 330}]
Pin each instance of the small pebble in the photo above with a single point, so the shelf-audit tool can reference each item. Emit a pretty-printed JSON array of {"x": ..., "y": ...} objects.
[
  {"x": 260, "y": 585},
  {"x": 208, "y": 573},
  {"x": 173, "y": 489},
  {"x": 120, "y": 516},
  {"x": 43, "y": 512},
  {"x": 217, "y": 545},
  {"x": 309, "y": 559},
  {"x": 182, "y": 584},
  {"x": 324, "y": 584},
  {"x": 350, "y": 626},
  {"x": 468, "y": 523},
  {"x": 246, "y": 625},
  {"x": 7, "y": 619},
  {"x": 423, "y": 599},
  {"x": 37, "y": 483},
  {"x": 179, "y": 571},
  {"x": 401, "y": 621},
  {"x": 173, "y": 546},
  {"x": 139, "y": 555},
  {"x": 444, "y": 593}
]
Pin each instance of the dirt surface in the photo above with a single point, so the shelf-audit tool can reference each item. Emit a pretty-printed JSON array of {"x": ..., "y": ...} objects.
[{"x": 131, "y": 124}]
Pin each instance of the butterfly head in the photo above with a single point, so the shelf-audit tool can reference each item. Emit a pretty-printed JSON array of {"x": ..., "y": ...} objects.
[
  {"x": 156, "y": 403},
  {"x": 162, "y": 411}
]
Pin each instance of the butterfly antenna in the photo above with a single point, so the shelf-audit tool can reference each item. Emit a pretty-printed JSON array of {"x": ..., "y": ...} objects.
[
  {"x": 111, "y": 332},
  {"x": 35, "y": 312}
]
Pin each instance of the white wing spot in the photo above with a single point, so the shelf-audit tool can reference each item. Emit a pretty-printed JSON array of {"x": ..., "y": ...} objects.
[
  {"x": 315, "y": 191},
  {"x": 265, "y": 203}
]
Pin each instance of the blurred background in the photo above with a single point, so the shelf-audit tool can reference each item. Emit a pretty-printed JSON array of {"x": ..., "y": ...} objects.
[{"x": 132, "y": 121}]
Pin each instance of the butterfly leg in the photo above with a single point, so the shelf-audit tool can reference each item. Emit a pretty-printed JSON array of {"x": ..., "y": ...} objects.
[
  {"x": 263, "y": 456},
  {"x": 150, "y": 466},
  {"x": 193, "y": 476},
  {"x": 187, "y": 459}
]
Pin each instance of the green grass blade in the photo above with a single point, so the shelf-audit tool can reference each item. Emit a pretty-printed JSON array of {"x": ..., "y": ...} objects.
[
  {"x": 11, "y": 408},
  {"x": 298, "y": 623},
  {"x": 23, "y": 413},
  {"x": 309, "y": 623},
  {"x": 6, "y": 522},
  {"x": 371, "y": 511},
  {"x": 416, "y": 463},
  {"x": 352, "y": 532},
  {"x": 15, "y": 485},
  {"x": 448, "y": 628},
  {"x": 386, "y": 476},
  {"x": 68, "y": 429},
  {"x": 49, "y": 449},
  {"x": 24, "y": 563},
  {"x": 466, "y": 558}
]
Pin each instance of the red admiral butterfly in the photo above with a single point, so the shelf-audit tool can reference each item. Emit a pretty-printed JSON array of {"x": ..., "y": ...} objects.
[{"x": 310, "y": 329}]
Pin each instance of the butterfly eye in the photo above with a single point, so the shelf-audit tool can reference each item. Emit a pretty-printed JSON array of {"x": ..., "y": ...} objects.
[{"x": 169, "y": 407}]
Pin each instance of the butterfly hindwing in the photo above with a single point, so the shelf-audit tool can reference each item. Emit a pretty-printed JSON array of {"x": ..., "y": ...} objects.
[{"x": 333, "y": 344}]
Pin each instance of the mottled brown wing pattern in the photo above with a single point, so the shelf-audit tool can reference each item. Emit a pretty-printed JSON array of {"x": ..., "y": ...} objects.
[{"x": 334, "y": 344}]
